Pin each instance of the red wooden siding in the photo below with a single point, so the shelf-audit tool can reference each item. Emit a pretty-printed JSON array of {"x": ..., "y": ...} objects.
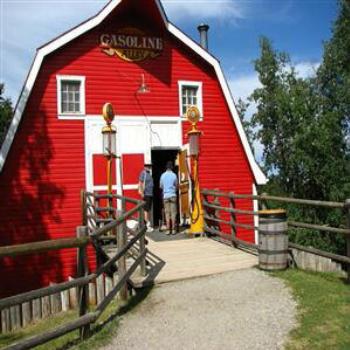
[
  {"x": 45, "y": 168},
  {"x": 132, "y": 166},
  {"x": 40, "y": 187},
  {"x": 100, "y": 170}
]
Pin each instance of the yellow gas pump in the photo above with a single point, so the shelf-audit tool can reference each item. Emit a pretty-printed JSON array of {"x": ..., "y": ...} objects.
[
  {"x": 194, "y": 134},
  {"x": 109, "y": 146}
]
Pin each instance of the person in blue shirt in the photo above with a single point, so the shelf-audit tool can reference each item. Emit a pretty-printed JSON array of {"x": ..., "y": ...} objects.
[
  {"x": 169, "y": 185},
  {"x": 146, "y": 192}
]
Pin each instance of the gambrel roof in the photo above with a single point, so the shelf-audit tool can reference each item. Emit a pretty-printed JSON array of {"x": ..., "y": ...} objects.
[{"x": 65, "y": 38}]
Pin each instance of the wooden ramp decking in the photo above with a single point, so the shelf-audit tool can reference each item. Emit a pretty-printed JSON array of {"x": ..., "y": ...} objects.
[{"x": 189, "y": 258}]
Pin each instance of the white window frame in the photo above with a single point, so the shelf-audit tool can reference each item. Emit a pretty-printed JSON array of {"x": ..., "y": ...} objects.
[
  {"x": 70, "y": 115},
  {"x": 195, "y": 84}
]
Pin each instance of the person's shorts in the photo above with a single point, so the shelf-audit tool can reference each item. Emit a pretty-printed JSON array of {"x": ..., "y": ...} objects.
[
  {"x": 170, "y": 208},
  {"x": 148, "y": 200}
]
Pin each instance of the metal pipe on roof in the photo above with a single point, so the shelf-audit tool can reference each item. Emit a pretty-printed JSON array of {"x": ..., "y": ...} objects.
[{"x": 203, "y": 32}]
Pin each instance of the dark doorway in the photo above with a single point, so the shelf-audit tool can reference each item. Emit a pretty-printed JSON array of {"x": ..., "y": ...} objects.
[{"x": 159, "y": 160}]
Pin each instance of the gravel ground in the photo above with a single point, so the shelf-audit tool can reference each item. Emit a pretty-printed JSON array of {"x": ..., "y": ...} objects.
[{"x": 244, "y": 309}]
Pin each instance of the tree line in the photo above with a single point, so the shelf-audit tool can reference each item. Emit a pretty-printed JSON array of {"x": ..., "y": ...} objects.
[
  {"x": 303, "y": 125},
  {"x": 6, "y": 113}
]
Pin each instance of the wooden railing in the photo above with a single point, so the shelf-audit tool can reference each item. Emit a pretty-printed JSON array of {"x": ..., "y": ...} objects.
[
  {"x": 213, "y": 218},
  {"x": 85, "y": 318}
]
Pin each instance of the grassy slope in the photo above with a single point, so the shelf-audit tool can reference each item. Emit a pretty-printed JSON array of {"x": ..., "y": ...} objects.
[
  {"x": 324, "y": 310},
  {"x": 70, "y": 340},
  {"x": 102, "y": 332}
]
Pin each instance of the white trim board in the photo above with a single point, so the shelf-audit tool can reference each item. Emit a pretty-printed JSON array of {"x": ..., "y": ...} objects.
[
  {"x": 94, "y": 123},
  {"x": 121, "y": 117},
  {"x": 114, "y": 187},
  {"x": 259, "y": 176},
  {"x": 256, "y": 217}
]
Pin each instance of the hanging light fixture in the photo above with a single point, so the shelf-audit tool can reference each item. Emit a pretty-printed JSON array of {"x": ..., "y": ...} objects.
[{"x": 143, "y": 89}]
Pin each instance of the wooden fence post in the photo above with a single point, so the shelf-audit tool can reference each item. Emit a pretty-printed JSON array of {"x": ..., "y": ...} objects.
[
  {"x": 216, "y": 201},
  {"x": 83, "y": 207},
  {"x": 5, "y": 320},
  {"x": 99, "y": 259},
  {"x": 121, "y": 241},
  {"x": 205, "y": 211},
  {"x": 83, "y": 291},
  {"x": 263, "y": 203},
  {"x": 211, "y": 224},
  {"x": 142, "y": 242},
  {"x": 233, "y": 219},
  {"x": 347, "y": 207}
]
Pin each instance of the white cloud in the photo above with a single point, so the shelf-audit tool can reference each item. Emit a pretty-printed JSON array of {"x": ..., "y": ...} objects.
[
  {"x": 202, "y": 10},
  {"x": 26, "y": 25},
  {"x": 243, "y": 86},
  {"x": 306, "y": 69}
]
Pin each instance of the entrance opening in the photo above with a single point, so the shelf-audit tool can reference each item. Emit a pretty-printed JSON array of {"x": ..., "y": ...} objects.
[{"x": 159, "y": 160}]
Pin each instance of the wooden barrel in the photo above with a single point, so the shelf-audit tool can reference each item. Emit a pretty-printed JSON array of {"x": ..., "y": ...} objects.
[{"x": 273, "y": 239}]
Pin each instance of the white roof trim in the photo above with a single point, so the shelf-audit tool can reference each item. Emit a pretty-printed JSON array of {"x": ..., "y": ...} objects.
[{"x": 260, "y": 178}]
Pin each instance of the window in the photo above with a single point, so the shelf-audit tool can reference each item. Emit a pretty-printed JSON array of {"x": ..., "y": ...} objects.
[
  {"x": 190, "y": 94},
  {"x": 70, "y": 95}
]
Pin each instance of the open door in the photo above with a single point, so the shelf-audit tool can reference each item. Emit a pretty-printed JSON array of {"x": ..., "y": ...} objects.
[{"x": 184, "y": 184}]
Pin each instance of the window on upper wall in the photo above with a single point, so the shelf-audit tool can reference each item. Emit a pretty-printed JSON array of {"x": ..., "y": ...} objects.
[
  {"x": 190, "y": 94},
  {"x": 70, "y": 95}
]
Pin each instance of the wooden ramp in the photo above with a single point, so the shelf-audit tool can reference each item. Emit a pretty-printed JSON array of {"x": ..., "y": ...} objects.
[{"x": 188, "y": 258}]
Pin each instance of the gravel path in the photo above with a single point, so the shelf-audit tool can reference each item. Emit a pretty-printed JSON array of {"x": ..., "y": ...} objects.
[{"x": 244, "y": 309}]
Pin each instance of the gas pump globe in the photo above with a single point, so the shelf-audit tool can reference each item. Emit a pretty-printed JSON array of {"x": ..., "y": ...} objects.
[
  {"x": 193, "y": 116},
  {"x": 109, "y": 145}
]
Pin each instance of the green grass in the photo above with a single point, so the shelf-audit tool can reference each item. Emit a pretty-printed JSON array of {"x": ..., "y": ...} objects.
[
  {"x": 323, "y": 310},
  {"x": 101, "y": 332}
]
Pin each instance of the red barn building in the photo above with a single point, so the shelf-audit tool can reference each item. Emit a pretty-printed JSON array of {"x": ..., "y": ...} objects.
[{"x": 53, "y": 148}]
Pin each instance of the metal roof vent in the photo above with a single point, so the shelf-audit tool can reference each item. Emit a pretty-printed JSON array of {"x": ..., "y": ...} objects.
[{"x": 203, "y": 32}]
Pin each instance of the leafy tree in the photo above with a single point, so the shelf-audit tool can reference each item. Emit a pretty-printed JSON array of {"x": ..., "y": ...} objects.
[
  {"x": 304, "y": 126},
  {"x": 285, "y": 106},
  {"x": 333, "y": 84},
  {"x": 5, "y": 114}
]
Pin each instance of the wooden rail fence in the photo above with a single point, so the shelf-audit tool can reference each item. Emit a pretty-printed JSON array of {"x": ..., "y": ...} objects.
[
  {"x": 213, "y": 210},
  {"x": 84, "y": 278}
]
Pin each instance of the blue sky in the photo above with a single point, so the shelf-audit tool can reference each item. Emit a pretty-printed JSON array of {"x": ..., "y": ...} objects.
[{"x": 298, "y": 27}]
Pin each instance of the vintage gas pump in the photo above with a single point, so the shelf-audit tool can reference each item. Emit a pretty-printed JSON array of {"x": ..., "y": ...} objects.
[
  {"x": 109, "y": 146},
  {"x": 194, "y": 135}
]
